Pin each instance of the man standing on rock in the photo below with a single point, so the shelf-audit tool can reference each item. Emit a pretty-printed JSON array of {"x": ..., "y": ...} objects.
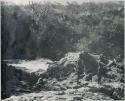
[{"x": 102, "y": 67}]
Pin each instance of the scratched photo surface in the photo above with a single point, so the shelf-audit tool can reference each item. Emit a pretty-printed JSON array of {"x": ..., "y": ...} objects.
[{"x": 62, "y": 50}]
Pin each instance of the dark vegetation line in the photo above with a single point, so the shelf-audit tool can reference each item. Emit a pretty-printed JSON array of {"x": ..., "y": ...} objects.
[{"x": 51, "y": 30}]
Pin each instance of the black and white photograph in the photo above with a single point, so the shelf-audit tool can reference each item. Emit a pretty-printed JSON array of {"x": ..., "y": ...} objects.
[{"x": 62, "y": 50}]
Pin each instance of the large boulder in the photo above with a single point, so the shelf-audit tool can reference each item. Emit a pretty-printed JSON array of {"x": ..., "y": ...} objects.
[
  {"x": 72, "y": 63},
  {"x": 65, "y": 66},
  {"x": 90, "y": 62}
]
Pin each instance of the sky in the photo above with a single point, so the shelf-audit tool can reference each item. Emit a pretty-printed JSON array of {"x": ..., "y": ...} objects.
[{"x": 60, "y": 1}]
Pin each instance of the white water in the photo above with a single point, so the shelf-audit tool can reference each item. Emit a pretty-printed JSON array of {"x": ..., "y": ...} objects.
[{"x": 32, "y": 65}]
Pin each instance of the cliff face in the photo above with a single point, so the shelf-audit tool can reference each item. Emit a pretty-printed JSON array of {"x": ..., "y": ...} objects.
[{"x": 15, "y": 81}]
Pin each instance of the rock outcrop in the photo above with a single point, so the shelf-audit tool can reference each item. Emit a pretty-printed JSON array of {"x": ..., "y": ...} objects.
[
  {"x": 15, "y": 81},
  {"x": 61, "y": 81},
  {"x": 74, "y": 63}
]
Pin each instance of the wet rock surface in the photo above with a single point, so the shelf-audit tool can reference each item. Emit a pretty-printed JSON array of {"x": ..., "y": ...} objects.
[{"x": 70, "y": 94}]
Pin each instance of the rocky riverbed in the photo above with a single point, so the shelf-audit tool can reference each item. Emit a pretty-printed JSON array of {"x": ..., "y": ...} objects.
[{"x": 61, "y": 81}]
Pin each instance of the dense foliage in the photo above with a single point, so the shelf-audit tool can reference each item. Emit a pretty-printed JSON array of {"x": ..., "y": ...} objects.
[{"x": 51, "y": 30}]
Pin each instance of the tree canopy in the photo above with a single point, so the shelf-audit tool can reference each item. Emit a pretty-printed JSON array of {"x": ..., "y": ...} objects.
[{"x": 51, "y": 30}]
